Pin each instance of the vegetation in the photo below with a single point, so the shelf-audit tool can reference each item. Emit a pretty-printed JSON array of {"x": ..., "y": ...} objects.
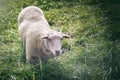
[{"x": 91, "y": 54}]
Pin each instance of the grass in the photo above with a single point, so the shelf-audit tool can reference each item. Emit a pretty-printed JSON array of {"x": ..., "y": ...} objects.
[{"x": 91, "y": 54}]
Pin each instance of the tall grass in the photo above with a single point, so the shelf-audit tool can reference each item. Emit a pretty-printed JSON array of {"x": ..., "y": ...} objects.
[{"x": 91, "y": 54}]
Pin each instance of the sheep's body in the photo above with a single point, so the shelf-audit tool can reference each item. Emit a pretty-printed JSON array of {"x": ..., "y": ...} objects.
[
  {"x": 27, "y": 17},
  {"x": 35, "y": 32},
  {"x": 35, "y": 46}
]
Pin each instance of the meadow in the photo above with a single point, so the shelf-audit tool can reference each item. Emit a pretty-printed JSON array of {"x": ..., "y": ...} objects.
[{"x": 92, "y": 52}]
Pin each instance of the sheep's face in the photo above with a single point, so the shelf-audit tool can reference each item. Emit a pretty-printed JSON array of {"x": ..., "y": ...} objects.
[{"x": 54, "y": 42}]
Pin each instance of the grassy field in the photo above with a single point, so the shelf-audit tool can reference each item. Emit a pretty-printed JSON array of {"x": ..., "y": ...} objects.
[{"x": 91, "y": 54}]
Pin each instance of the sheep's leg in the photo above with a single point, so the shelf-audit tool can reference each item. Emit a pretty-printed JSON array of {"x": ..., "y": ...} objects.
[{"x": 29, "y": 50}]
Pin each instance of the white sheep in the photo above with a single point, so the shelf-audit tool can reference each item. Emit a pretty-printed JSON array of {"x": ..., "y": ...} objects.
[{"x": 40, "y": 41}]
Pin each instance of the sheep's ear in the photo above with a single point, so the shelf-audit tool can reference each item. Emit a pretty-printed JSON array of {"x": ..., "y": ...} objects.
[
  {"x": 65, "y": 35},
  {"x": 44, "y": 36}
]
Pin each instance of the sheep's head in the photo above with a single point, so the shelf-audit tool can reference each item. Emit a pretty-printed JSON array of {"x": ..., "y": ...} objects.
[{"x": 53, "y": 41}]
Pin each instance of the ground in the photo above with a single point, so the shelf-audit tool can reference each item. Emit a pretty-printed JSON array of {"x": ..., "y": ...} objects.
[{"x": 92, "y": 52}]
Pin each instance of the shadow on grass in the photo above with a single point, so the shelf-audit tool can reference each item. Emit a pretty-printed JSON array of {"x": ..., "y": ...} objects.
[{"x": 111, "y": 15}]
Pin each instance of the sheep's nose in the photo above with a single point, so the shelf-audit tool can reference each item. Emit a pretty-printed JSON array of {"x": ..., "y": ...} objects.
[{"x": 57, "y": 52}]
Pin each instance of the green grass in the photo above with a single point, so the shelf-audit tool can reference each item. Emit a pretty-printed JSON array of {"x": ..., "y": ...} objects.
[{"x": 91, "y": 54}]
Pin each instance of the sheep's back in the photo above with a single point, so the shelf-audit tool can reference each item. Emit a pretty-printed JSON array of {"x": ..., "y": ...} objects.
[
  {"x": 30, "y": 14},
  {"x": 28, "y": 17}
]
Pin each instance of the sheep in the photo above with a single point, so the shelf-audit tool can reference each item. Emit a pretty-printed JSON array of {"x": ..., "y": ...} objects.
[{"x": 40, "y": 41}]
